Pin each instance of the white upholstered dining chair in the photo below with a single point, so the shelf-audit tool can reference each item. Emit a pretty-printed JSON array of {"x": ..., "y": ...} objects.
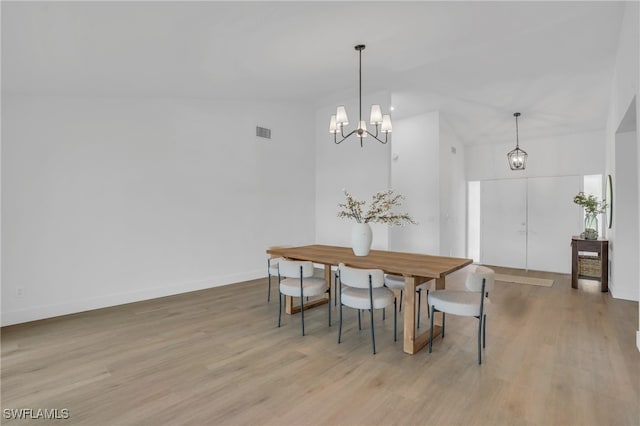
[
  {"x": 396, "y": 282},
  {"x": 471, "y": 303},
  {"x": 364, "y": 289},
  {"x": 272, "y": 271},
  {"x": 296, "y": 279}
]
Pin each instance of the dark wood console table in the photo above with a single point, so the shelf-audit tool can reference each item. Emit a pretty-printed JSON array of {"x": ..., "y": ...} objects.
[{"x": 593, "y": 263}]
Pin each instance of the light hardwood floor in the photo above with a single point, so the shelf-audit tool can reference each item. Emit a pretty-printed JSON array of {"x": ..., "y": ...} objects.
[{"x": 215, "y": 357}]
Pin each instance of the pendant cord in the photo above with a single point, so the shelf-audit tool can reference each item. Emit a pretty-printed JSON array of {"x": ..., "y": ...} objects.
[
  {"x": 517, "y": 138},
  {"x": 360, "y": 86}
]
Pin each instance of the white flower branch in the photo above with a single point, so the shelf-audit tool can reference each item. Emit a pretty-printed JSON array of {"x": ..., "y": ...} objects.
[{"x": 380, "y": 209}]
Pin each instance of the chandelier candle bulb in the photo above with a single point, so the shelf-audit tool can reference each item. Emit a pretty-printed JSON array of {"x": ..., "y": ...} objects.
[
  {"x": 363, "y": 127},
  {"x": 376, "y": 115},
  {"x": 341, "y": 116},
  {"x": 386, "y": 124},
  {"x": 333, "y": 127}
]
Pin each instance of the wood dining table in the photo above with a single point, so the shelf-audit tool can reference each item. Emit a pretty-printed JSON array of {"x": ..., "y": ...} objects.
[{"x": 415, "y": 268}]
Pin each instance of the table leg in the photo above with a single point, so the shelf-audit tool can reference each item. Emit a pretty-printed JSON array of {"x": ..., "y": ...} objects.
[
  {"x": 327, "y": 278},
  {"x": 412, "y": 341},
  {"x": 409, "y": 314},
  {"x": 288, "y": 305}
]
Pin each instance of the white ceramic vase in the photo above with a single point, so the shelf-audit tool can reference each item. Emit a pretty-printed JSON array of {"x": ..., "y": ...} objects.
[{"x": 361, "y": 237}]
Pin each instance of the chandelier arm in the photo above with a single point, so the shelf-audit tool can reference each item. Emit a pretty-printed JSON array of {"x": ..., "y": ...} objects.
[
  {"x": 343, "y": 139},
  {"x": 376, "y": 135},
  {"x": 386, "y": 135}
]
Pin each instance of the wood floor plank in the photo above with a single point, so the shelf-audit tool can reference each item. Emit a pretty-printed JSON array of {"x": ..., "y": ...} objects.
[{"x": 554, "y": 356}]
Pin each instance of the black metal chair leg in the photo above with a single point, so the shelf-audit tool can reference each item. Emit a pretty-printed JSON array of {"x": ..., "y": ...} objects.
[
  {"x": 443, "y": 315},
  {"x": 373, "y": 336},
  {"x": 269, "y": 279},
  {"x": 340, "y": 327},
  {"x": 484, "y": 331},
  {"x": 279, "y": 307},
  {"x": 479, "y": 339},
  {"x": 302, "y": 313},
  {"x": 359, "y": 322},
  {"x": 329, "y": 306},
  {"x": 384, "y": 314},
  {"x": 395, "y": 320},
  {"x": 433, "y": 314},
  {"x": 426, "y": 299},
  {"x": 400, "y": 310},
  {"x": 301, "y": 301},
  {"x": 419, "y": 294}
]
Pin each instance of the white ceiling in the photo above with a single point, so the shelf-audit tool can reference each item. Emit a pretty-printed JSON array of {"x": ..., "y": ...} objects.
[{"x": 476, "y": 62}]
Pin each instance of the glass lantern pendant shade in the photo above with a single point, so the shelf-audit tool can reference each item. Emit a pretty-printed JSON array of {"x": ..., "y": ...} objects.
[
  {"x": 381, "y": 122},
  {"x": 517, "y": 157}
]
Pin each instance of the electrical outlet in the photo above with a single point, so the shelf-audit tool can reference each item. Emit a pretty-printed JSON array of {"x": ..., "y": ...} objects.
[{"x": 20, "y": 292}]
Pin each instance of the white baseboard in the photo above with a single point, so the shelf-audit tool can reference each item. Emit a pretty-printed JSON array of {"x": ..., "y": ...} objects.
[
  {"x": 624, "y": 295},
  {"x": 75, "y": 306}
]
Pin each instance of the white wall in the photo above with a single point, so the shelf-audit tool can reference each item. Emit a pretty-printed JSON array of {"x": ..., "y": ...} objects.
[
  {"x": 625, "y": 88},
  {"x": 108, "y": 201},
  {"x": 576, "y": 154},
  {"x": 624, "y": 273},
  {"x": 453, "y": 193},
  {"x": 415, "y": 173},
  {"x": 559, "y": 161},
  {"x": 413, "y": 164},
  {"x": 362, "y": 171}
]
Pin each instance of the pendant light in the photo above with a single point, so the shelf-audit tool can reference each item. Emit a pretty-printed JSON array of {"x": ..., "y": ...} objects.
[
  {"x": 517, "y": 157},
  {"x": 380, "y": 121}
]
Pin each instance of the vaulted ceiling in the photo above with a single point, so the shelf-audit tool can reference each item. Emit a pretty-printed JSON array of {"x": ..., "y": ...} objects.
[{"x": 476, "y": 62}]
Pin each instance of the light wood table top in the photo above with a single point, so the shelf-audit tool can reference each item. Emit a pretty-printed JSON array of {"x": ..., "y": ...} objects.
[{"x": 416, "y": 268}]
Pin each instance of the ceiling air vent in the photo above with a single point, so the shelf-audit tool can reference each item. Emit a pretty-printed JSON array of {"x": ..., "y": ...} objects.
[{"x": 263, "y": 132}]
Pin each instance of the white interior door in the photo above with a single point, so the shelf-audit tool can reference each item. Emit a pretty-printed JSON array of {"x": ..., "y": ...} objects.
[
  {"x": 503, "y": 223},
  {"x": 553, "y": 219}
]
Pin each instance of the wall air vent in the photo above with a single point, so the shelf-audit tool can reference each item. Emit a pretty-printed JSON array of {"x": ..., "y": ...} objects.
[{"x": 263, "y": 132}]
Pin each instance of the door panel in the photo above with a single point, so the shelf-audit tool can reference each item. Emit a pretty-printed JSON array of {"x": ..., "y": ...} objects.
[
  {"x": 503, "y": 222},
  {"x": 553, "y": 219}
]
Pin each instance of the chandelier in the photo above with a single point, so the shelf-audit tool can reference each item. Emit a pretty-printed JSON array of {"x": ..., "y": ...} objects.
[
  {"x": 340, "y": 119},
  {"x": 517, "y": 157}
]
